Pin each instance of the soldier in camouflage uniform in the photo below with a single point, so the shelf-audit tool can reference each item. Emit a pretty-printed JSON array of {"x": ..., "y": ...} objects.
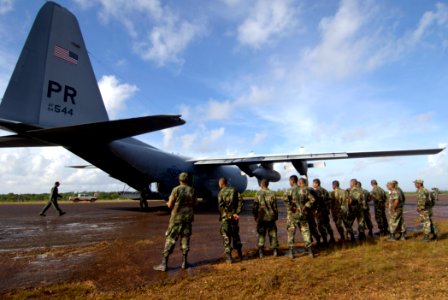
[
  {"x": 339, "y": 209},
  {"x": 230, "y": 204},
  {"x": 296, "y": 199},
  {"x": 323, "y": 212},
  {"x": 356, "y": 212},
  {"x": 265, "y": 212},
  {"x": 181, "y": 202},
  {"x": 395, "y": 205},
  {"x": 379, "y": 197},
  {"x": 424, "y": 208},
  {"x": 403, "y": 199},
  {"x": 366, "y": 209}
]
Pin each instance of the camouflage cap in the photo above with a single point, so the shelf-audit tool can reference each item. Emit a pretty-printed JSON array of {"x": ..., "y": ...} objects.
[
  {"x": 391, "y": 182},
  {"x": 418, "y": 181},
  {"x": 183, "y": 176}
]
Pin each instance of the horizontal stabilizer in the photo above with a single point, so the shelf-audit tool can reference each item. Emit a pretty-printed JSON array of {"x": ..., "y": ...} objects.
[
  {"x": 15, "y": 126},
  {"x": 104, "y": 132},
  {"x": 11, "y": 141}
]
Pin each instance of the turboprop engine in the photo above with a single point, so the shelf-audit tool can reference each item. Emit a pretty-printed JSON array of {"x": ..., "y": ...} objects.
[{"x": 262, "y": 171}]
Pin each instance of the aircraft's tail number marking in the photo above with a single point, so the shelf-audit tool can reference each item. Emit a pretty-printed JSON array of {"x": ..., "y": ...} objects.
[{"x": 69, "y": 93}]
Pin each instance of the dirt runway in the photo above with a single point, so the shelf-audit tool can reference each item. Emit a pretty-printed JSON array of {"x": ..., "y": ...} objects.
[{"x": 114, "y": 245}]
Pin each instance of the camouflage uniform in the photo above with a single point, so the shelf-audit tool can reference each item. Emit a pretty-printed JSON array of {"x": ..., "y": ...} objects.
[
  {"x": 310, "y": 217},
  {"x": 265, "y": 212},
  {"x": 379, "y": 197},
  {"x": 356, "y": 212},
  {"x": 403, "y": 201},
  {"x": 366, "y": 210},
  {"x": 425, "y": 210},
  {"x": 340, "y": 210},
  {"x": 296, "y": 199},
  {"x": 323, "y": 214},
  {"x": 229, "y": 204},
  {"x": 396, "y": 220},
  {"x": 181, "y": 218}
]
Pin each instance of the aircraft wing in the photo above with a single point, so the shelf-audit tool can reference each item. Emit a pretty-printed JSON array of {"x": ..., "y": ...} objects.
[{"x": 312, "y": 157}]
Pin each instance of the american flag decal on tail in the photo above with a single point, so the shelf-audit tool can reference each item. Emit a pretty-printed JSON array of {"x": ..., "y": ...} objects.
[{"x": 66, "y": 55}]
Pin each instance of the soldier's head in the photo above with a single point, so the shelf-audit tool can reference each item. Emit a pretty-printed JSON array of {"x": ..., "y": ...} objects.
[
  {"x": 391, "y": 185},
  {"x": 57, "y": 183},
  {"x": 353, "y": 183},
  {"x": 359, "y": 184},
  {"x": 418, "y": 183},
  {"x": 373, "y": 182},
  {"x": 316, "y": 183},
  {"x": 293, "y": 180},
  {"x": 264, "y": 183},
  {"x": 183, "y": 177},
  {"x": 335, "y": 184},
  {"x": 302, "y": 182},
  {"x": 222, "y": 182}
]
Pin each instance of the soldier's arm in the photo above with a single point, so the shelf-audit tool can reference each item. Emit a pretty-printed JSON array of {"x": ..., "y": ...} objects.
[
  {"x": 240, "y": 203},
  {"x": 172, "y": 199},
  {"x": 287, "y": 200},
  {"x": 255, "y": 207},
  {"x": 311, "y": 200}
]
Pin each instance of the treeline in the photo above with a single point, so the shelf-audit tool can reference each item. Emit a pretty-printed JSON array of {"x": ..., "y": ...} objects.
[{"x": 11, "y": 197}]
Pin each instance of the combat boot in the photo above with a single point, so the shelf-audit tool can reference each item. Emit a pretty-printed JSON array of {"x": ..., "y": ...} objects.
[
  {"x": 229, "y": 259},
  {"x": 402, "y": 237},
  {"x": 260, "y": 253},
  {"x": 289, "y": 254},
  {"x": 352, "y": 236},
  {"x": 163, "y": 265},
  {"x": 310, "y": 251},
  {"x": 426, "y": 238},
  {"x": 332, "y": 240},
  {"x": 362, "y": 236},
  {"x": 185, "y": 265},
  {"x": 434, "y": 237},
  {"x": 275, "y": 253},
  {"x": 324, "y": 242},
  {"x": 391, "y": 238},
  {"x": 240, "y": 253},
  {"x": 370, "y": 233}
]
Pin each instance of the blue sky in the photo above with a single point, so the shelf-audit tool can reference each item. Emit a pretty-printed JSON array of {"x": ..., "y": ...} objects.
[{"x": 257, "y": 75}]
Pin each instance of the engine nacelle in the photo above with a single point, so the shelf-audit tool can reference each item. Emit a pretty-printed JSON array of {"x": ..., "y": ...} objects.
[
  {"x": 266, "y": 173},
  {"x": 301, "y": 166}
]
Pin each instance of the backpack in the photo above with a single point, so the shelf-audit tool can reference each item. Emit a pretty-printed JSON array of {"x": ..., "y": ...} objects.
[{"x": 433, "y": 196}]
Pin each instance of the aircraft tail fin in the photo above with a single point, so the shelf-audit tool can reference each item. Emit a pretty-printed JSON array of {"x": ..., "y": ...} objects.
[{"x": 53, "y": 83}]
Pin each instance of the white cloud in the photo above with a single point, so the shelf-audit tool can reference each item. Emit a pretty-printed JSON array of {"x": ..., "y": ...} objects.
[
  {"x": 267, "y": 21},
  {"x": 350, "y": 44},
  {"x": 214, "y": 135},
  {"x": 440, "y": 16},
  {"x": 159, "y": 35},
  {"x": 188, "y": 140},
  {"x": 168, "y": 40},
  {"x": 259, "y": 137},
  {"x": 115, "y": 94},
  {"x": 168, "y": 137},
  {"x": 6, "y": 6},
  {"x": 26, "y": 170},
  {"x": 256, "y": 95},
  {"x": 216, "y": 110}
]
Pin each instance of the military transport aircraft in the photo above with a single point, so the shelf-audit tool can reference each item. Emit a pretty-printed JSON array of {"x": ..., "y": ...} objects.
[{"x": 53, "y": 99}]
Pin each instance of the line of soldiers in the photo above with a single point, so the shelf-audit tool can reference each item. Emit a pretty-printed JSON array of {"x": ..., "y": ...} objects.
[{"x": 308, "y": 209}]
